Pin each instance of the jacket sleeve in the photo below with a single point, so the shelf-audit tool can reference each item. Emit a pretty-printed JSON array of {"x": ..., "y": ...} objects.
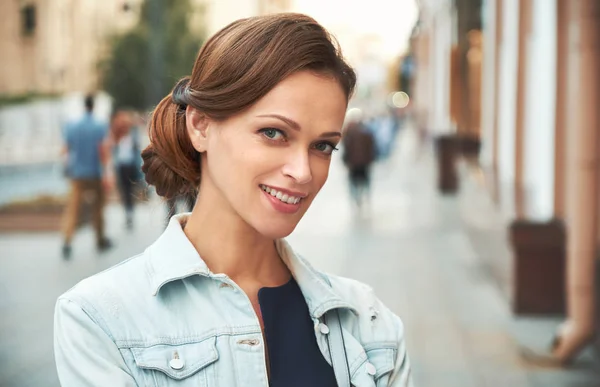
[
  {"x": 401, "y": 375},
  {"x": 85, "y": 354}
]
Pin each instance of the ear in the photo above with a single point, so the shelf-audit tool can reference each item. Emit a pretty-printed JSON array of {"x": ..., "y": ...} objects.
[{"x": 197, "y": 127}]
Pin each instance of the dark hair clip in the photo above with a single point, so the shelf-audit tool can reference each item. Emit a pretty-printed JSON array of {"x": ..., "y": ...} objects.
[{"x": 179, "y": 96}]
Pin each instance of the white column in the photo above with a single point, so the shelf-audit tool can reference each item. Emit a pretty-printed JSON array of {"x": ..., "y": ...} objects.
[
  {"x": 507, "y": 93},
  {"x": 440, "y": 84},
  {"x": 488, "y": 94},
  {"x": 538, "y": 166}
]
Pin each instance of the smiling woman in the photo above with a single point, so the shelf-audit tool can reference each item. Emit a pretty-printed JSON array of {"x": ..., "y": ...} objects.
[{"x": 220, "y": 299}]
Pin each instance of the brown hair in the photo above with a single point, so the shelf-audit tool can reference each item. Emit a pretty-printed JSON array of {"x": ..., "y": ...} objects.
[{"x": 234, "y": 69}]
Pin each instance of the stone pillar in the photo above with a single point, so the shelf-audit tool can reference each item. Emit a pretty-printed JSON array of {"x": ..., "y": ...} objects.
[
  {"x": 441, "y": 123},
  {"x": 499, "y": 11},
  {"x": 539, "y": 240},
  {"x": 507, "y": 94},
  {"x": 468, "y": 20},
  {"x": 560, "y": 118},
  {"x": 472, "y": 141},
  {"x": 583, "y": 168}
]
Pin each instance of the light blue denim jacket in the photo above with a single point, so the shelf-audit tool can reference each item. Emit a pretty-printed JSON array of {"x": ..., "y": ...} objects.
[{"x": 163, "y": 319}]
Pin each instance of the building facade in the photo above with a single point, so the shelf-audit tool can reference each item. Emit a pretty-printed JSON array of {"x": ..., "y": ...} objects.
[
  {"x": 537, "y": 136},
  {"x": 53, "y": 47}
]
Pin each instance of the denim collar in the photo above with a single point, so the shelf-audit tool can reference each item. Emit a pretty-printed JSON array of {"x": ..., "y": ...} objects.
[{"x": 172, "y": 257}]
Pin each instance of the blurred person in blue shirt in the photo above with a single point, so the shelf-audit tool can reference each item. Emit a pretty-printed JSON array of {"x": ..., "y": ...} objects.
[{"x": 87, "y": 156}]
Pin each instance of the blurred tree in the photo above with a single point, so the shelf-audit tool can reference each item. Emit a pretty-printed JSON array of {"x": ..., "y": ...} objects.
[{"x": 144, "y": 63}]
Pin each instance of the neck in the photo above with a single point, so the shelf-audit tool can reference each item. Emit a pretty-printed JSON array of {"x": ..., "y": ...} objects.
[{"x": 229, "y": 245}]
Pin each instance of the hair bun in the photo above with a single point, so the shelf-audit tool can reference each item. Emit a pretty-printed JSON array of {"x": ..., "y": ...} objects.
[{"x": 172, "y": 172}]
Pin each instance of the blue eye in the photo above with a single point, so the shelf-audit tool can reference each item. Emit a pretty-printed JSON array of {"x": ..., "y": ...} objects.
[
  {"x": 272, "y": 133},
  {"x": 325, "y": 147}
]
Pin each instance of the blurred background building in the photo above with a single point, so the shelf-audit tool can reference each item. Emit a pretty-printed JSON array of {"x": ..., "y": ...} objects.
[
  {"x": 511, "y": 87},
  {"x": 53, "y": 47}
]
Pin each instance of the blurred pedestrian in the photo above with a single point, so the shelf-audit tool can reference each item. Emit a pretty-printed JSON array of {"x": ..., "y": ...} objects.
[
  {"x": 387, "y": 135},
  {"x": 221, "y": 298},
  {"x": 359, "y": 154},
  {"x": 126, "y": 160},
  {"x": 87, "y": 158}
]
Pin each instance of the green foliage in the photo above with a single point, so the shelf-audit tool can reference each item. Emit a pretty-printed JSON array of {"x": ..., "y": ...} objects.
[{"x": 128, "y": 73}]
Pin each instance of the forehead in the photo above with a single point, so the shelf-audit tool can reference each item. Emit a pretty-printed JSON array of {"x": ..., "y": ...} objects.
[{"x": 310, "y": 99}]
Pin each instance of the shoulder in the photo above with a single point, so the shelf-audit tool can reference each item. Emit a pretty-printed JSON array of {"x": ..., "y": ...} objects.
[
  {"x": 379, "y": 331},
  {"x": 112, "y": 289},
  {"x": 372, "y": 320},
  {"x": 350, "y": 288}
]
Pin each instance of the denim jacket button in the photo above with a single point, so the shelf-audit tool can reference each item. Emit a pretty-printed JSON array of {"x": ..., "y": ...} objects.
[
  {"x": 371, "y": 370},
  {"x": 324, "y": 329},
  {"x": 176, "y": 364}
]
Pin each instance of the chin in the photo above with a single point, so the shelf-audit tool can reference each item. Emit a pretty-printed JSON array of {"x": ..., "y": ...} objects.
[{"x": 276, "y": 230}]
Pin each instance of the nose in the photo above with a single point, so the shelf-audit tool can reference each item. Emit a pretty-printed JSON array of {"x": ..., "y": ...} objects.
[{"x": 297, "y": 167}]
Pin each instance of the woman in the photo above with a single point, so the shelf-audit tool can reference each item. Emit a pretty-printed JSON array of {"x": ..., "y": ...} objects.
[
  {"x": 220, "y": 299},
  {"x": 125, "y": 146}
]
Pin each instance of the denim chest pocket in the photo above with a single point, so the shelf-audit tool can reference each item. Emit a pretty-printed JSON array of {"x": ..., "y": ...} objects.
[
  {"x": 375, "y": 371},
  {"x": 189, "y": 364}
]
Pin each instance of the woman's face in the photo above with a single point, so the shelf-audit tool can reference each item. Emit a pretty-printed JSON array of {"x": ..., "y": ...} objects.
[
  {"x": 122, "y": 123},
  {"x": 267, "y": 164}
]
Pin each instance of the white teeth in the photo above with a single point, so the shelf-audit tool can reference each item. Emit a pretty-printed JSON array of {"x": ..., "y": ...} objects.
[{"x": 280, "y": 195}]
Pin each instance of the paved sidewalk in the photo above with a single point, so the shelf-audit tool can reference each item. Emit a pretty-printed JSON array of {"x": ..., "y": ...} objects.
[{"x": 413, "y": 249}]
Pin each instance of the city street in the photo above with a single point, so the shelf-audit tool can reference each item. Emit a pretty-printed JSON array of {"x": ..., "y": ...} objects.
[{"x": 413, "y": 246}]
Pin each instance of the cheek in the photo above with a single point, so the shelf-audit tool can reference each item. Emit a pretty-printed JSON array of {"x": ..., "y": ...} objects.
[
  {"x": 223, "y": 162},
  {"x": 234, "y": 162},
  {"x": 320, "y": 171}
]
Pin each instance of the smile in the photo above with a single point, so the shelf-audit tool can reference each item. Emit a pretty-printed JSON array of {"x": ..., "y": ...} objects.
[{"x": 283, "y": 197}]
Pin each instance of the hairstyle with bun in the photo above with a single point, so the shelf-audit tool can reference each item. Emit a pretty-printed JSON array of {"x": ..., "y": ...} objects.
[{"x": 234, "y": 69}]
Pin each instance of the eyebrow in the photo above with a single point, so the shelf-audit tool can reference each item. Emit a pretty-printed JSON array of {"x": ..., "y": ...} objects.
[{"x": 296, "y": 126}]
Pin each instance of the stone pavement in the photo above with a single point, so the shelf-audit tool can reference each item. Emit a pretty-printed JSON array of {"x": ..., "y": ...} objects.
[{"x": 414, "y": 249}]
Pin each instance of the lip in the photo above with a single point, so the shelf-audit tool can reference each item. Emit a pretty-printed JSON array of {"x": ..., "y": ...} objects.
[
  {"x": 286, "y": 191},
  {"x": 280, "y": 206}
]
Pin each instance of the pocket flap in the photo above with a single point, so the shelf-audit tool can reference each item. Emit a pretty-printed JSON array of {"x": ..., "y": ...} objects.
[
  {"x": 192, "y": 357},
  {"x": 382, "y": 358}
]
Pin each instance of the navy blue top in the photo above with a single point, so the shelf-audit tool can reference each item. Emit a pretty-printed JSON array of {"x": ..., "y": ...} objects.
[{"x": 294, "y": 356}]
